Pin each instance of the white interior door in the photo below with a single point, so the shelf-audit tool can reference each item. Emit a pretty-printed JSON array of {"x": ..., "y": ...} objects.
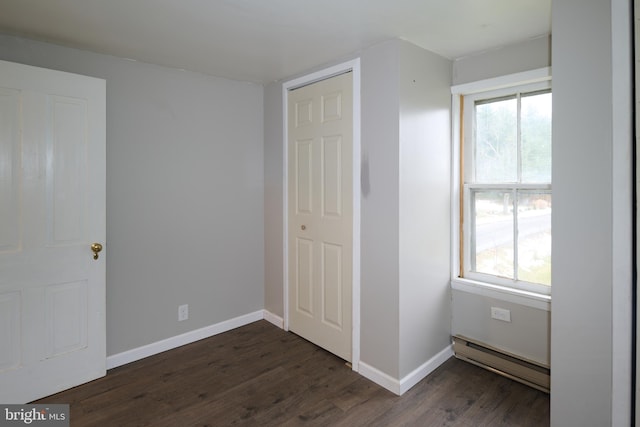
[
  {"x": 52, "y": 208},
  {"x": 320, "y": 213}
]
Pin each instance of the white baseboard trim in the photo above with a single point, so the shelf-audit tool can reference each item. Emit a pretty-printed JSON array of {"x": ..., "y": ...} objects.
[
  {"x": 399, "y": 387},
  {"x": 379, "y": 377},
  {"x": 425, "y": 369},
  {"x": 392, "y": 384},
  {"x": 179, "y": 340},
  {"x": 274, "y": 319}
]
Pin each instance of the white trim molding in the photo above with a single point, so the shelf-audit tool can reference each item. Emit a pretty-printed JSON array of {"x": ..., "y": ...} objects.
[
  {"x": 354, "y": 67},
  {"x": 516, "y": 79},
  {"x": 380, "y": 378},
  {"x": 425, "y": 369},
  {"x": 516, "y": 296},
  {"x": 401, "y": 386},
  {"x": 179, "y": 340},
  {"x": 535, "y": 296},
  {"x": 274, "y": 319}
]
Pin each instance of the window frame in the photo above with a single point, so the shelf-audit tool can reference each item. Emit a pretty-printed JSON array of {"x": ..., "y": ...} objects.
[{"x": 463, "y": 100}]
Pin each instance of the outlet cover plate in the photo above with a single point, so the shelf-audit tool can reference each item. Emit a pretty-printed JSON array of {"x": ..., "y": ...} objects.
[
  {"x": 501, "y": 314},
  {"x": 183, "y": 312}
]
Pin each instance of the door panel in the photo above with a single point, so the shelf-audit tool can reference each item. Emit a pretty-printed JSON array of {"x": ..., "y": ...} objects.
[
  {"x": 304, "y": 276},
  {"x": 303, "y": 176},
  {"x": 320, "y": 213},
  {"x": 9, "y": 330},
  {"x": 66, "y": 308},
  {"x": 332, "y": 285},
  {"x": 9, "y": 174},
  {"x": 52, "y": 206},
  {"x": 332, "y": 176},
  {"x": 66, "y": 172}
]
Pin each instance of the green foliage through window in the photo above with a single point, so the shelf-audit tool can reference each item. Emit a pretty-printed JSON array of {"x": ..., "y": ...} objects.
[{"x": 510, "y": 187}]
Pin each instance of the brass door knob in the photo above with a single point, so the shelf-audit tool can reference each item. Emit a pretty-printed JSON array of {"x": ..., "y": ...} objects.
[{"x": 96, "y": 248}]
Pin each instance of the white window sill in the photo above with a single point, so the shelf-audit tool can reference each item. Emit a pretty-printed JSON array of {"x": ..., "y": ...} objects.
[{"x": 517, "y": 296}]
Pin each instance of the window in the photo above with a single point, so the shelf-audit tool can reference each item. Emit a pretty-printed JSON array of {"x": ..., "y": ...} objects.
[{"x": 506, "y": 198}]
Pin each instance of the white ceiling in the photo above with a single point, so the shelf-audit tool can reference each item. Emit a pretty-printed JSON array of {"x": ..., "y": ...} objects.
[{"x": 266, "y": 40}]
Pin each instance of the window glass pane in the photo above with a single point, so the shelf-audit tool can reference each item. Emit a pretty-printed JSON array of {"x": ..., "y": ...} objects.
[
  {"x": 495, "y": 141},
  {"x": 492, "y": 241},
  {"x": 536, "y": 137},
  {"x": 534, "y": 237}
]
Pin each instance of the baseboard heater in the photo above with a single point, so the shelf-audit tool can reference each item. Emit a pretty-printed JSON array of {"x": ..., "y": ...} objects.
[{"x": 528, "y": 372}]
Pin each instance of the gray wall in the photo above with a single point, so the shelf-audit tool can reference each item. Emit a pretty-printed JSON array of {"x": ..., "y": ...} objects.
[
  {"x": 379, "y": 205},
  {"x": 516, "y": 58},
  {"x": 184, "y": 193},
  {"x": 528, "y": 334},
  {"x": 185, "y": 178},
  {"x": 379, "y": 293},
  {"x": 405, "y": 317},
  {"x": 273, "y": 199},
  {"x": 591, "y": 228},
  {"x": 424, "y": 206}
]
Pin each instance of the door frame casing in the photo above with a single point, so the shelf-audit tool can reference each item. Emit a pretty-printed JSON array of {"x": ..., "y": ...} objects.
[{"x": 352, "y": 66}]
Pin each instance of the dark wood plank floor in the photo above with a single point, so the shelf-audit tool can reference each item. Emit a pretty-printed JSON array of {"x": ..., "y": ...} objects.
[{"x": 260, "y": 375}]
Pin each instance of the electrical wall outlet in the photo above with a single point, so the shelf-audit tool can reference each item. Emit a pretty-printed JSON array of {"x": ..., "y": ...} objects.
[
  {"x": 183, "y": 312},
  {"x": 501, "y": 314}
]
